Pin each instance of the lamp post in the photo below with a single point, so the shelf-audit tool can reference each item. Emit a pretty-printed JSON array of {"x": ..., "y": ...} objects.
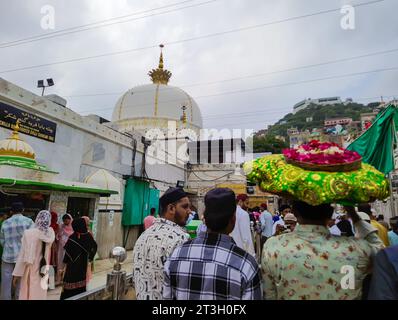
[{"x": 40, "y": 84}]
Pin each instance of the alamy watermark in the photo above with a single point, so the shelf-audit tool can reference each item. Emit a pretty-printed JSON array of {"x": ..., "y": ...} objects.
[
  {"x": 47, "y": 21},
  {"x": 347, "y": 21},
  {"x": 48, "y": 280},
  {"x": 347, "y": 282},
  {"x": 180, "y": 146}
]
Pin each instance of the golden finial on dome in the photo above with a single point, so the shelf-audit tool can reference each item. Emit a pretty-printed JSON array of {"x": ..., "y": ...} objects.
[
  {"x": 160, "y": 76},
  {"x": 161, "y": 57},
  {"x": 15, "y": 146},
  {"x": 15, "y": 134}
]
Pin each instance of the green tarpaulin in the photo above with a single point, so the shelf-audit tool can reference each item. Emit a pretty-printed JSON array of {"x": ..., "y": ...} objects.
[{"x": 376, "y": 145}]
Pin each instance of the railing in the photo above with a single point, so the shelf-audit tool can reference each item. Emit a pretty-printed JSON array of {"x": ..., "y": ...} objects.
[{"x": 106, "y": 292}]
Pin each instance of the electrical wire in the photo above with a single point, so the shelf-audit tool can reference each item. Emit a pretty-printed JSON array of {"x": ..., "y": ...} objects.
[
  {"x": 267, "y": 87},
  {"x": 93, "y": 25},
  {"x": 162, "y": 89},
  {"x": 216, "y": 34}
]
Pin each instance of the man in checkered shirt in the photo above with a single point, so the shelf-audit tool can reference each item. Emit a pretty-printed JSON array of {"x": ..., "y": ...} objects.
[
  {"x": 10, "y": 238},
  {"x": 212, "y": 266}
]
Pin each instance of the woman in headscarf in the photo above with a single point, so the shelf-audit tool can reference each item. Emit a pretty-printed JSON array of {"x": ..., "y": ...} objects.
[
  {"x": 79, "y": 251},
  {"x": 90, "y": 265},
  {"x": 54, "y": 248},
  {"x": 65, "y": 231},
  {"x": 33, "y": 259}
]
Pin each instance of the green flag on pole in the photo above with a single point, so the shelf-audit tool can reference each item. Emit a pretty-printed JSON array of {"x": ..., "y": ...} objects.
[{"x": 376, "y": 145}]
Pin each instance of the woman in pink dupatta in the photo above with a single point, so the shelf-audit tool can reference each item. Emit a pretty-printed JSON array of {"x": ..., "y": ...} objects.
[
  {"x": 33, "y": 259},
  {"x": 65, "y": 230}
]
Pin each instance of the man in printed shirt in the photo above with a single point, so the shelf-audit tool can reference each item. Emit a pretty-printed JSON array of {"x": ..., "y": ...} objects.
[
  {"x": 10, "y": 238},
  {"x": 308, "y": 263},
  {"x": 156, "y": 244},
  {"x": 212, "y": 266}
]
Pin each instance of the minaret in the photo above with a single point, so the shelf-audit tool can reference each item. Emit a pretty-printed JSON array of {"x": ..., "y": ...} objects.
[{"x": 160, "y": 75}]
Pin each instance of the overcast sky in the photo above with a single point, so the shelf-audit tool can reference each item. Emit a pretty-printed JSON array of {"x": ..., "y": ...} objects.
[{"x": 200, "y": 66}]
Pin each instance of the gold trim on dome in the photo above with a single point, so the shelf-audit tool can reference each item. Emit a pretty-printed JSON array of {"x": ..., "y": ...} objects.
[
  {"x": 184, "y": 115},
  {"x": 14, "y": 150},
  {"x": 156, "y": 100},
  {"x": 160, "y": 75}
]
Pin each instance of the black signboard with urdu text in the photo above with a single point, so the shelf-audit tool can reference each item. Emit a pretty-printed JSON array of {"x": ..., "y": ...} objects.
[{"x": 29, "y": 123}]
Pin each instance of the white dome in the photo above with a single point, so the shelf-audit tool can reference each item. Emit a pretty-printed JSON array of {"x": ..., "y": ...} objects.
[
  {"x": 157, "y": 101},
  {"x": 104, "y": 180}
]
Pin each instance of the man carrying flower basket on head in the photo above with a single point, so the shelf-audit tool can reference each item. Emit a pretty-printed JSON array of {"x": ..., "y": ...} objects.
[{"x": 310, "y": 263}]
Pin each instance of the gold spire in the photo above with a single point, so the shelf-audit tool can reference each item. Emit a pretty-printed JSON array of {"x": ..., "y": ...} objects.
[
  {"x": 161, "y": 58},
  {"x": 15, "y": 134},
  {"x": 15, "y": 146},
  {"x": 160, "y": 76}
]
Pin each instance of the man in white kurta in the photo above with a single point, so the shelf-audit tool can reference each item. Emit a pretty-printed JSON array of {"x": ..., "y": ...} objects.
[{"x": 242, "y": 234}]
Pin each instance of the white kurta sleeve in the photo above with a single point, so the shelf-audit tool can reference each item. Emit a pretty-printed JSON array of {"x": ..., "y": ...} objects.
[{"x": 247, "y": 234}]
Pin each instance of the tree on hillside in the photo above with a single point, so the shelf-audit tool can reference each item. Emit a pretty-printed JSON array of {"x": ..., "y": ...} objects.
[{"x": 268, "y": 144}]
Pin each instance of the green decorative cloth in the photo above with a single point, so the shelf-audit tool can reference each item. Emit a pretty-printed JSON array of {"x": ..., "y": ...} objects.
[
  {"x": 274, "y": 175},
  {"x": 376, "y": 145}
]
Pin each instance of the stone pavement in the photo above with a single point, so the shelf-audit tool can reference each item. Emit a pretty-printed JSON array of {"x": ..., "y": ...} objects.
[{"x": 101, "y": 269}]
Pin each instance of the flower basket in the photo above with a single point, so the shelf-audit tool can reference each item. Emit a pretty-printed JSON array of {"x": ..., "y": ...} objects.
[{"x": 339, "y": 167}]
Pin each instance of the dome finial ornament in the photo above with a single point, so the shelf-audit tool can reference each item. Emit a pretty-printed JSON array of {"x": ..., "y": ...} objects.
[
  {"x": 160, "y": 76},
  {"x": 14, "y": 146},
  {"x": 161, "y": 57},
  {"x": 15, "y": 134}
]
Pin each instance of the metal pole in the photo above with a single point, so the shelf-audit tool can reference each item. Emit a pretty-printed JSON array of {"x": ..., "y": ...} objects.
[
  {"x": 116, "y": 279},
  {"x": 393, "y": 139},
  {"x": 392, "y": 204}
]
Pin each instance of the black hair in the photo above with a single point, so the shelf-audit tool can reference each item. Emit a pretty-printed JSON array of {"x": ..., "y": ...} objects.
[
  {"x": 163, "y": 209},
  {"x": 314, "y": 213},
  {"x": 218, "y": 213},
  {"x": 345, "y": 228},
  {"x": 66, "y": 216},
  {"x": 153, "y": 211},
  {"x": 218, "y": 221},
  {"x": 365, "y": 207},
  {"x": 283, "y": 207},
  {"x": 380, "y": 217}
]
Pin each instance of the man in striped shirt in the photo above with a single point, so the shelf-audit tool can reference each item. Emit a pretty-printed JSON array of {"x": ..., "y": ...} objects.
[
  {"x": 10, "y": 238},
  {"x": 212, "y": 266}
]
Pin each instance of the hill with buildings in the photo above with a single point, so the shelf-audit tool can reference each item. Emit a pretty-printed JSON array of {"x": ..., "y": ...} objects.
[{"x": 314, "y": 118}]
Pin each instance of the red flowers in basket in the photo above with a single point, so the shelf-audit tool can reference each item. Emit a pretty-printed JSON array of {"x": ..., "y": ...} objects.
[{"x": 321, "y": 153}]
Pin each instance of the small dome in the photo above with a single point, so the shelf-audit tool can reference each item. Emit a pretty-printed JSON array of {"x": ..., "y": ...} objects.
[
  {"x": 14, "y": 146},
  {"x": 104, "y": 180}
]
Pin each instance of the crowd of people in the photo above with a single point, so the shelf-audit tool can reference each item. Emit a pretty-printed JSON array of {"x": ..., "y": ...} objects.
[
  {"x": 44, "y": 252},
  {"x": 326, "y": 252},
  {"x": 307, "y": 252}
]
